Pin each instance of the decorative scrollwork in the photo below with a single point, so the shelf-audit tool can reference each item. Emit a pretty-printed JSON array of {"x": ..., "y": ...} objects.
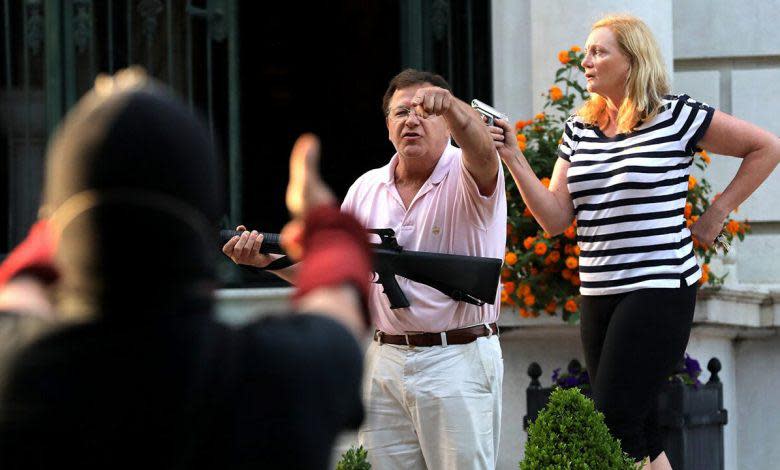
[
  {"x": 34, "y": 26},
  {"x": 217, "y": 25},
  {"x": 440, "y": 19},
  {"x": 149, "y": 11},
  {"x": 82, "y": 24}
]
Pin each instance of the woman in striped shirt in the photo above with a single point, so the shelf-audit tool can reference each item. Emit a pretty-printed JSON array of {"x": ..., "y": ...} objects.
[{"x": 622, "y": 171}]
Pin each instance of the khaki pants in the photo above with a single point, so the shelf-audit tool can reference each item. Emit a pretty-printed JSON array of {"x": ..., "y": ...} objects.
[{"x": 433, "y": 407}]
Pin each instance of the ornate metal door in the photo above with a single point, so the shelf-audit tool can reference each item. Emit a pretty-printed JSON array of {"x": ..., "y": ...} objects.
[{"x": 53, "y": 49}]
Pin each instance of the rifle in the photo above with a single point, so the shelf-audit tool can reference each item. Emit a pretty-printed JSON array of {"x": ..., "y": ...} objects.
[{"x": 470, "y": 279}]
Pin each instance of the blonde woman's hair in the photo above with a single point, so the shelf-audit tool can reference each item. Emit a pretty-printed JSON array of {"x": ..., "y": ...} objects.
[{"x": 647, "y": 81}]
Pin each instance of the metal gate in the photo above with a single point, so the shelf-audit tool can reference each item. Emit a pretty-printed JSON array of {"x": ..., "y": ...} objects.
[{"x": 53, "y": 50}]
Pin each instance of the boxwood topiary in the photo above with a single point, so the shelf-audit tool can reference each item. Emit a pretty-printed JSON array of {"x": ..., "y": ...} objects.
[
  {"x": 354, "y": 459},
  {"x": 570, "y": 434}
]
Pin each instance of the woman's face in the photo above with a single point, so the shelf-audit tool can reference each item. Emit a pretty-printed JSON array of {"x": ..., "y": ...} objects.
[{"x": 606, "y": 67}]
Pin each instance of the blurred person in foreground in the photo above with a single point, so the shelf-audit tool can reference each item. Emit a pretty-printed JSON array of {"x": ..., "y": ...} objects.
[
  {"x": 623, "y": 170},
  {"x": 138, "y": 372}
]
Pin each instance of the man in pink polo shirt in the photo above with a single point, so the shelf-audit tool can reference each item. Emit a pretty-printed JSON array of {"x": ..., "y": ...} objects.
[{"x": 432, "y": 385}]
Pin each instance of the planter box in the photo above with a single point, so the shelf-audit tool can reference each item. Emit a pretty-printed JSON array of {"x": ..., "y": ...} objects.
[{"x": 692, "y": 418}]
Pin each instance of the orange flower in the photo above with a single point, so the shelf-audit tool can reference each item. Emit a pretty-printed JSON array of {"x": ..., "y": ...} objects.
[
  {"x": 522, "y": 138},
  {"x": 523, "y": 290},
  {"x": 539, "y": 117},
  {"x": 519, "y": 125},
  {"x": 571, "y": 262},
  {"x": 528, "y": 242},
  {"x": 571, "y": 306},
  {"x": 540, "y": 248},
  {"x": 555, "y": 256},
  {"x": 688, "y": 209},
  {"x": 575, "y": 280},
  {"x": 509, "y": 286},
  {"x": 733, "y": 226},
  {"x": 555, "y": 93},
  {"x": 563, "y": 56},
  {"x": 521, "y": 145},
  {"x": 576, "y": 251},
  {"x": 506, "y": 273},
  {"x": 529, "y": 300},
  {"x": 570, "y": 232},
  {"x": 546, "y": 182},
  {"x": 524, "y": 313},
  {"x": 504, "y": 297},
  {"x": 691, "y": 182},
  {"x": 688, "y": 223},
  {"x": 575, "y": 49},
  {"x": 705, "y": 157},
  {"x": 566, "y": 274},
  {"x": 704, "y": 278},
  {"x": 527, "y": 212},
  {"x": 510, "y": 258},
  {"x": 705, "y": 268},
  {"x": 550, "y": 307}
]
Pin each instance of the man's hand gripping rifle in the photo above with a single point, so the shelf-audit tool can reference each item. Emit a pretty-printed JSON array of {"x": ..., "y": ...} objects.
[{"x": 470, "y": 279}]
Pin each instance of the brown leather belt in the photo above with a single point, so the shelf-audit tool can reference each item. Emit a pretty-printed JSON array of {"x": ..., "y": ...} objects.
[{"x": 459, "y": 336}]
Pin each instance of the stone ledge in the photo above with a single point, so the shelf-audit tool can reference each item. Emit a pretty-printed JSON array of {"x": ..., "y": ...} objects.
[
  {"x": 732, "y": 312},
  {"x": 722, "y": 312},
  {"x": 745, "y": 308},
  {"x": 237, "y": 306}
]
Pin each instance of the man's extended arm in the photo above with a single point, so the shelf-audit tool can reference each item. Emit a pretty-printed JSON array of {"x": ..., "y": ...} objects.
[{"x": 468, "y": 130}]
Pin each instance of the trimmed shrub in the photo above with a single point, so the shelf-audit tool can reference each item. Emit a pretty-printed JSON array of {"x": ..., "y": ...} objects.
[
  {"x": 354, "y": 459},
  {"x": 570, "y": 434}
]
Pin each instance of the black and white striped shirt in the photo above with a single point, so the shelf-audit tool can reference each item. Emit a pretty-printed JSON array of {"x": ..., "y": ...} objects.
[{"x": 629, "y": 195}]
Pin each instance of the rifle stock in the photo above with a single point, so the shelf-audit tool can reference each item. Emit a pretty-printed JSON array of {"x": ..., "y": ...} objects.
[{"x": 469, "y": 279}]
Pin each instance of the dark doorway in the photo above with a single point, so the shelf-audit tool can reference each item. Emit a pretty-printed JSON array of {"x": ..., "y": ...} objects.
[{"x": 318, "y": 67}]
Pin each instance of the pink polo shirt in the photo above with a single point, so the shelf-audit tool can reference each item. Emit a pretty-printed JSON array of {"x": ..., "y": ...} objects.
[{"x": 448, "y": 215}]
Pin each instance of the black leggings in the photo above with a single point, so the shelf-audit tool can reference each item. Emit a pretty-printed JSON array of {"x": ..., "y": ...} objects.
[{"x": 632, "y": 342}]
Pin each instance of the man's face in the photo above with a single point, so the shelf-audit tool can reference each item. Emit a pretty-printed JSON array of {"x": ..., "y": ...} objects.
[{"x": 411, "y": 135}]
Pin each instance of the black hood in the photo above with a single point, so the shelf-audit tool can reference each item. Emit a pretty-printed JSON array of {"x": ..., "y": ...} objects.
[{"x": 132, "y": 184}]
